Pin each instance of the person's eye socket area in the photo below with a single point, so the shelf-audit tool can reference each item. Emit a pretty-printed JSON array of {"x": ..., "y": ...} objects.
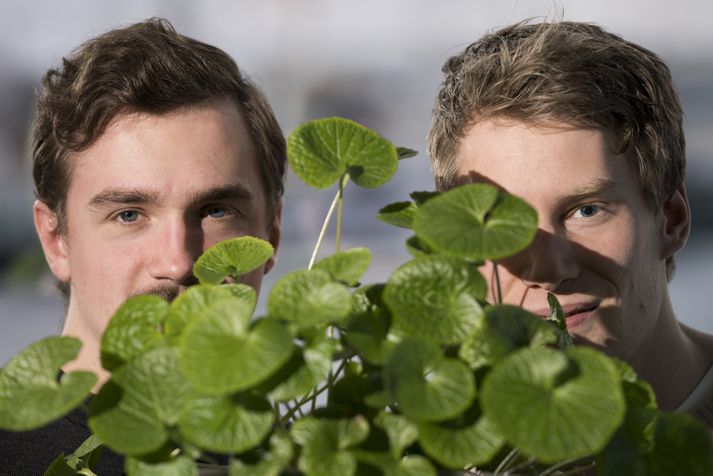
[
  {"x": 128, "y": 216},
  {"x": 589, "y": 210},
  {"x": 219, "y": 212}
]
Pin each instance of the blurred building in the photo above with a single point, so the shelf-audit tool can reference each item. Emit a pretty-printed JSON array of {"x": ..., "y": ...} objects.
[{"x": 375, "y": 62}]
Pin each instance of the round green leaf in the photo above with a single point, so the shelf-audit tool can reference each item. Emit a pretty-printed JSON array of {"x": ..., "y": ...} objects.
[
  {"x": 425, "y": 385},
  {"x": 232, "y": 258},
  {"x": 228, "y": 424},
  {"x": 309, "y": 298},
  {"x": 476, "y": 221},
  {"x": 368, "y": 325},
  {"x": 197, "y": 299},
  {"x": 456, "y": 448},
  {"x": 652, "y": 443},
  {"x": 32, "y": 394},
  {"x": 325, "y": 444},
  {"x": 271, "y": 463},
  {"x": 410, "y": 465},
  {"x": 134, "y": 329},
  {"x": 418, "y": 248},
  {"x": 501, "y": 330},
  {"x": 348, "y": 266},
  {"x": 400, "y": 431},
  {"x": 132, "y": 412},
  {"x": 554, "y": 405},
  {"x": 321, "y": 151},
  {"x": 435, "y": 298},
  {"x": 315, "y": 365},
  {"x": 222, "y": 352},
  {"x": 182, "y": 465},
  {"x": 399, "y": 214}
]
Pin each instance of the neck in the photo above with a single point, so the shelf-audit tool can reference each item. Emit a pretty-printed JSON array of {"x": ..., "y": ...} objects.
[
  {"x": 673, "y": 359},
  {"x": 89, "y": 355}
]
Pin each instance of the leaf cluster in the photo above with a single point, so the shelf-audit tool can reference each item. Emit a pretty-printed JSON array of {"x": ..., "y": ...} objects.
[{"x": 418, "y": 375}]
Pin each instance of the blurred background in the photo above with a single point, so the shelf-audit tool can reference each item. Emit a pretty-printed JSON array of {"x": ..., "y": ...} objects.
[{"x": 376, "y": 62}]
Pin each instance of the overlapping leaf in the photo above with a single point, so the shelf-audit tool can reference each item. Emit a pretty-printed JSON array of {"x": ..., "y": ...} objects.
[
  {"x": 182, "y": 465},
  {"x": 326, "y": 443},
  {"x": 321, "y": 151},
  {"x": 426, "y": 385},
  {"x": 554, "y": 405},
  {"x": 133, "y": 412},
  {"x": 399, "y": 214},
  {"x": 196, "y": 301},
  {"x": 501, "y": 330},
  {"x": 227, "y": 424},
  {"x": 314, "y": 366},
  {"x": 232, "y": 258},
  {"x": 435, "y": 298},
  {"x": 653, "y": 443},
  {"x": 271, "y": 463},
  {"x": 308, "y": 298},
  {"x": 368, "y": 324},
  {"x": 473, "y": 444},
  {"x": 223, "y": 352},
  {"x": 32, "y": 394},
  {"x": 476, "y": 221},
  {"x": 133, "y": 329},
  {"x": 347, "y": 266}
]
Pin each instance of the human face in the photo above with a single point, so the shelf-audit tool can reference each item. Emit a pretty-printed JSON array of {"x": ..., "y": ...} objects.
[
  {"x": 600, "y": 244},
  {"x": 146, "y": 199}
]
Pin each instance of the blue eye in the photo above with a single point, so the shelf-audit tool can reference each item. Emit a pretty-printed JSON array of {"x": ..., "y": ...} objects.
[
  {"x": 128, "y": 216},
  {"x": 586, "y": 211},
  {"x": 216, "y": 212}
]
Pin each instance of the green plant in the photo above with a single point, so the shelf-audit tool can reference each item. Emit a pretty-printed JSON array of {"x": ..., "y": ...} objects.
[{"x": 409, "y": 377}]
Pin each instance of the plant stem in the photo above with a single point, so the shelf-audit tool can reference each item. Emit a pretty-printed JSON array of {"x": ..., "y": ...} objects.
[
  {"x": 327, "y": 219},
  {"x": 556, "y": 467},
  {"x": 506, "y": 461},
  {"x": 340, "y": 207},
  {"x": 497, "y": 282}
]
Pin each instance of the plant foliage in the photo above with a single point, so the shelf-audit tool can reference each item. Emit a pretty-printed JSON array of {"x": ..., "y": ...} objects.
[{"x": 411, "y": 377}]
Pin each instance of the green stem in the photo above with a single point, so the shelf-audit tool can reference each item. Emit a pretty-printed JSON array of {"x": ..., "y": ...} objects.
[
  {"x": 340, "y": 207},
  {"x": 576, "y": 470},
  {"x": 327, "y": 219},
  {"x": 497, "y": 282},
  {"x": 506, "y": 461}
]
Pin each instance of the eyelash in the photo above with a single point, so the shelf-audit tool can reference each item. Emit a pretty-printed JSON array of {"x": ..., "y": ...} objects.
[
  {"x": 117, "y": 216},
  {"x": 600, "y": 211},
  {"x": 227, "y": 211},
  {"x": 205, "y": 212}
]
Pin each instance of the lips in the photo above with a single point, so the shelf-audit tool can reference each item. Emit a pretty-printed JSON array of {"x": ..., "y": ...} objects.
[{"x": 575, "y": 313}]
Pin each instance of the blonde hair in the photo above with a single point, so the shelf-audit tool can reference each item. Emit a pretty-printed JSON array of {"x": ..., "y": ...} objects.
[{"x": 566, "y": 72}]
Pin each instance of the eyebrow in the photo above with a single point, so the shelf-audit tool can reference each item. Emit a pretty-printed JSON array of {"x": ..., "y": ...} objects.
[
  {"x": 596, "y": 187},
  {"x": 121, "y": 196}
]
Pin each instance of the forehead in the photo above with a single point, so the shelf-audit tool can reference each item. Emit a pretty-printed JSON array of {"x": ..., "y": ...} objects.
[
  {"x": 541, "y": 160},
  {"x": 181, "y": 151}
]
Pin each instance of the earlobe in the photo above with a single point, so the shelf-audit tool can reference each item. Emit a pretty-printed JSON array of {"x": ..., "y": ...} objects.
[
  {"x": 53, "y": 243},
  {"x": 676, "y": 222},
  {"x": 274, "y": 236}
]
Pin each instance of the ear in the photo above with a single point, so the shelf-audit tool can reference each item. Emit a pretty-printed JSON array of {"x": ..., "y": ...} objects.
[
  {"x": 53, "y": 243},
  {"x": 676, "y": 224},
  {"x": 275, "y": 233}
]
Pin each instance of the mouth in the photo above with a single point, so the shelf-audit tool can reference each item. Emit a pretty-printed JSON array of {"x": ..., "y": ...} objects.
[{"x": 575, "y": 313}]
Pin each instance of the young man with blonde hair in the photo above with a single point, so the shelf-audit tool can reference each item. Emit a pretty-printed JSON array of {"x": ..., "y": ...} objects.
[{"x": 586, "y": 127}]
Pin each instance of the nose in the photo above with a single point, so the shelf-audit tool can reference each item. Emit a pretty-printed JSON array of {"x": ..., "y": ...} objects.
[
  {"x": 175, "y": 249},
  {"x": 547, "y": 263}
]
